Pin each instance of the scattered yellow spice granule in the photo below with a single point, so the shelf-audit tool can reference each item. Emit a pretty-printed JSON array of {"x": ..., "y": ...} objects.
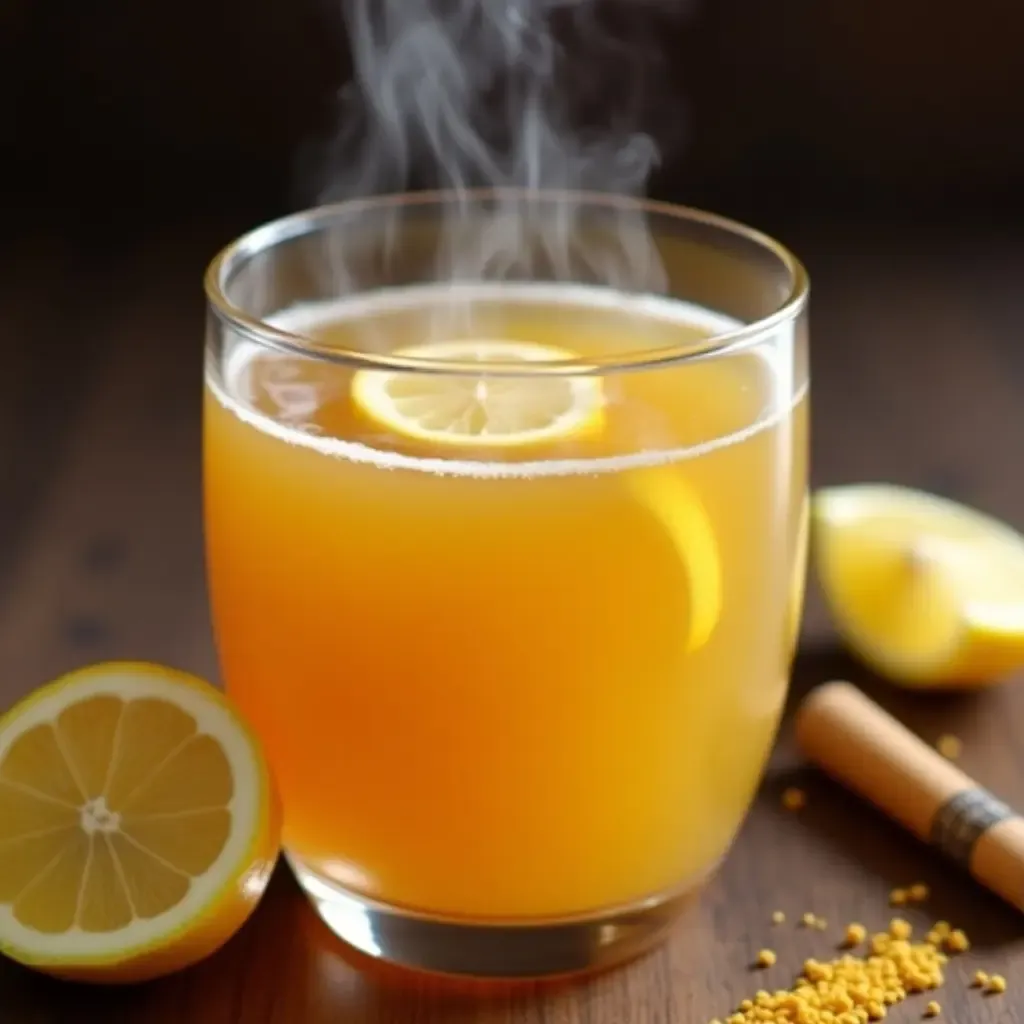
[
  {"x": 766, "y": 958},
  {"x": 938, "y": 933},
  {"x": 900, "y": 929},
  {"x": 809, "y": 920},
  {"x": 950, "y": 747},
  {"x": 778, "y": 917},
  {"x": 957, "y": 942},
  {"x": 933, "y": 1009},
  {"x": 996, "y": 984},
  {"x": 850, "y": 989},
  {"x": 855, "y": 934},
  {"x": 980, "y": 979},
  {"x": 794, "y": 799},
  {"x": 916, "y": 893}
]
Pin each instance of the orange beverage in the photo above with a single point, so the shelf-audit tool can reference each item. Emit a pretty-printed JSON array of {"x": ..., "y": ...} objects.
[{"x": 525, "y": 676}]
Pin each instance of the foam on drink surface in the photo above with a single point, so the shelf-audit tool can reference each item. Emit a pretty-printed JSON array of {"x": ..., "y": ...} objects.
[{"x": 302, "y": 319}]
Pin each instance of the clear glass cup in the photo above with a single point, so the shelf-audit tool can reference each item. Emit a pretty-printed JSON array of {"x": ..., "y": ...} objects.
[{"x": 506, "y": 514}]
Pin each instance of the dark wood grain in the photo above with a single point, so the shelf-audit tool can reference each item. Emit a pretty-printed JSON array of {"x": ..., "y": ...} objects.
[{"x": 919, "y": 378}]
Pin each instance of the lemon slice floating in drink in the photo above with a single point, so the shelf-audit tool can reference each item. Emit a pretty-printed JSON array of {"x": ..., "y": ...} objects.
[
  {"x": 926, "y": 591},
  {"x": 507, "y": 411},
  {"x": 138, "y": 824},
  {"x": 484, "y": 411},
  {"x": 682, "y": 515}
]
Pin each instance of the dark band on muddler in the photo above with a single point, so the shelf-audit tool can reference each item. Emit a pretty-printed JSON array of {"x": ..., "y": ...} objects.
[{"x": 963, "y": 820}]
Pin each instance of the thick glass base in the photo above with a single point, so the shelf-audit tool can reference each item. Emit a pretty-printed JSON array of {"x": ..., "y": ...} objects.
[{"x": 496, "y": 951}]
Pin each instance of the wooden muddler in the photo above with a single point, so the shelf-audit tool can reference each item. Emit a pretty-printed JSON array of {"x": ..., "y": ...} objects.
[{"x": 865, "y": 748}]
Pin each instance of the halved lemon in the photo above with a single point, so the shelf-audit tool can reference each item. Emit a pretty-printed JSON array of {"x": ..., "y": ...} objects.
[
  {"x": 484, "y": 411},
  {"x": 138, "y": 824},
  {"x": 926, "y": 591}
]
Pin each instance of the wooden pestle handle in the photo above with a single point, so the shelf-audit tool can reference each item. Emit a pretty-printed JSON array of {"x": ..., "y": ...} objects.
[{"x": 862, "y": 746}]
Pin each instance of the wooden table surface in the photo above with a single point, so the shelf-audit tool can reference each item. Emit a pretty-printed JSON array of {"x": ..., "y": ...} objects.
[{"x": 918, "y": 378}]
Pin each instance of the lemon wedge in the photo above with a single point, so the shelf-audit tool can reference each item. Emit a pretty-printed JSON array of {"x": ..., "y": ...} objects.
[
  {"x": 138, "y": 824},
  {"x": 485, "y": 411},
  {"x": 926, "y": 591}
]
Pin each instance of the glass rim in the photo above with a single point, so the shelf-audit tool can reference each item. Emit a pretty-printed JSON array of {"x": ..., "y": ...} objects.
[{"x": 291, "y": 226}]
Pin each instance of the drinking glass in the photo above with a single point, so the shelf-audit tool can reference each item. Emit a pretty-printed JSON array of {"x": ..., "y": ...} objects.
[{"x": 506, "y": 507}]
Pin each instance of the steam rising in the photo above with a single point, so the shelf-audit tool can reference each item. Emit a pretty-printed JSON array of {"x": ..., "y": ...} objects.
[{"x": 508, "y": 94}]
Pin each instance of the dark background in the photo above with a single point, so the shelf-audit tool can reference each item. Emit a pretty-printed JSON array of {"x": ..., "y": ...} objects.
[{"x": 805, "y": 106}]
